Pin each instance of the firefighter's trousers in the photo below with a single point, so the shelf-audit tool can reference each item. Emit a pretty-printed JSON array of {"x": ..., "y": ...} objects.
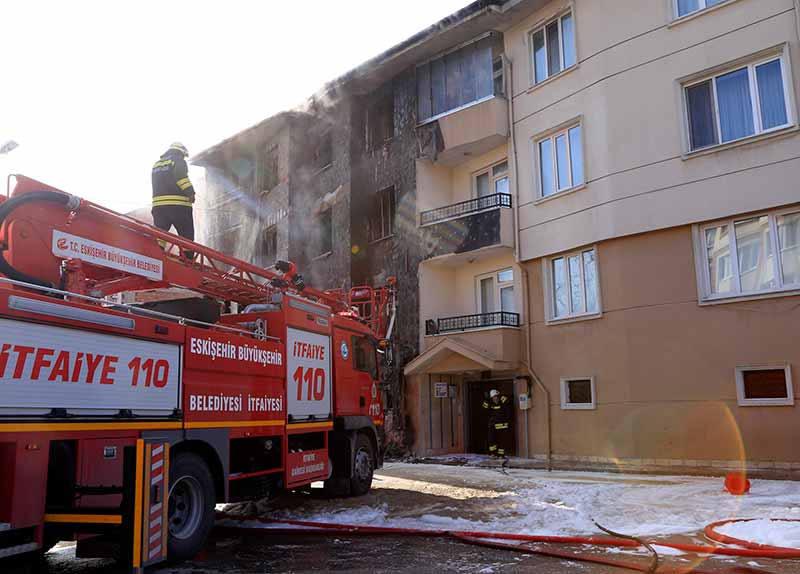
[
  {"x": 180, "y": 216},
  {"x": 497, "y": 434}
]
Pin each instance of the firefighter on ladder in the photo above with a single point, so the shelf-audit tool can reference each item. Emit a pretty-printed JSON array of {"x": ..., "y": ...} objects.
[
  {"x": 497, "y": 405},
  {"x": 173, "y": 194}
]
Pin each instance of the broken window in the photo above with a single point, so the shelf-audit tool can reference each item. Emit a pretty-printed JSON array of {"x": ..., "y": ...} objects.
[
  {"x": 271, "y": 243},
  {"x": 325, "y": 228},
  {"x": 269, "y": 169},
  {"x": 381, "y": 223},
  {"x": 380, "y": 122},
  {"x": 323, "y": 152},
  {"x": 458, "y": 78}
]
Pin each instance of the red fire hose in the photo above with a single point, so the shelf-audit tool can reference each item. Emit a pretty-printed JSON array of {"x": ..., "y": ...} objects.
[
  {"x": 711, "y": 533},
  {"x": 490, "y": 539}
]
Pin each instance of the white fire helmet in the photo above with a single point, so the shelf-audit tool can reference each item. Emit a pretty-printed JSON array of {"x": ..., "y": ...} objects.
[{"x": 494, "y": 393}]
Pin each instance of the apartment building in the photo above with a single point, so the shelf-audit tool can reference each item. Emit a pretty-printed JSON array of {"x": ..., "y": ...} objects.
[
  {"x": 657, "y": 155},
  {"x": 589, "y": 205}
]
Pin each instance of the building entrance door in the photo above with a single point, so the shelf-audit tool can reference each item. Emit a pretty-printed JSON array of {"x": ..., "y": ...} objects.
[{"x": 477, "y": 418}]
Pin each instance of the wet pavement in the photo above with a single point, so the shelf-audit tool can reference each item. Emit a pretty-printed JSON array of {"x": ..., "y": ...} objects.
[{"x": 405, "y": 493}]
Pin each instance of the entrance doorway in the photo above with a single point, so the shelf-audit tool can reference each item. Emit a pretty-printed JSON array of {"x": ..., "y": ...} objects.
[{"x": 477, "y": 419}]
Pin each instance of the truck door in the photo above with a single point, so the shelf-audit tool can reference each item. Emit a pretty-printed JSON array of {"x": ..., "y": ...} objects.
[
  {"x": 366, "y": 368},
  {"x": 309, "y": 373},
  {"x": 347, "y": 385}
]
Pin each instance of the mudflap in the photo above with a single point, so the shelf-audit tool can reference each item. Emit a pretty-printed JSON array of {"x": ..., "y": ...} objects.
[{"x": 148, "y": 511}]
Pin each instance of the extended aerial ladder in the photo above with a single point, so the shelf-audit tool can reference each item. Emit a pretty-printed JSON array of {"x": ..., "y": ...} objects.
[{"x": 150, "y": 259}]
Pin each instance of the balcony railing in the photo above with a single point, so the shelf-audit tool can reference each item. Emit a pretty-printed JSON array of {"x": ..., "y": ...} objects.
[
  {"x": 466, "y": 207},
  {"x": 467, "y": 322}
]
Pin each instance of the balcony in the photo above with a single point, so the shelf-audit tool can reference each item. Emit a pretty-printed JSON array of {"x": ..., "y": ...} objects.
[
  {"x": 470, "y": 344},
  {"x": 465, "y": 208},
  {"x": 467, "y": 226},
  {"x": 470, "y": 322}
]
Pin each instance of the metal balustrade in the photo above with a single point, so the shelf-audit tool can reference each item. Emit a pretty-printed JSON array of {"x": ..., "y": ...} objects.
[
  {"x": 468, "y": 322},
  {"x": 461, "y": 208}
]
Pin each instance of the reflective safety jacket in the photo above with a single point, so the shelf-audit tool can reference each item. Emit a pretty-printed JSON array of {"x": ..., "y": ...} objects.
[
  {"x": 171, "y": 185},
  {"x": 498, "y": 413}
]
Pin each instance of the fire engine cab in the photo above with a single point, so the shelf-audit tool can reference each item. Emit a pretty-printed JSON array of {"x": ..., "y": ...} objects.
[{"x": 122, "y": 425}]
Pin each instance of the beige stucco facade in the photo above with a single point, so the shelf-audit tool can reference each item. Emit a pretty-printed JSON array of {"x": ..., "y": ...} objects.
[
  {"x": 662, "y": 356},
  {"x": 662, "y": 352}
]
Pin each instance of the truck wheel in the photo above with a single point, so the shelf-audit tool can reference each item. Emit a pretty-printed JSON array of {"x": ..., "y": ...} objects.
[
  {"x": 191, "y": 506},
  {"x": 336, "y": 487},
  {"x": 363, "y": 466}
]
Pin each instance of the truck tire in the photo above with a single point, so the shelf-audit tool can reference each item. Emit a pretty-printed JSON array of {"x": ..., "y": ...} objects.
[
  {"x": 191, "y": 506},
  {"x": 336, "y": 487},
  {"x": 363, "y": 466}
]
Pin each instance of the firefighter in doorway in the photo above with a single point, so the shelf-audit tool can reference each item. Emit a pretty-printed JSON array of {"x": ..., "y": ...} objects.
[
  {"x": 173, "y": 194},
  {"x": 499, "y": 424}
]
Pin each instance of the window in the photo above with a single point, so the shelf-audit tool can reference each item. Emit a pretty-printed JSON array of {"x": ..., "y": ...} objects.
[
  {"x": 688, "y": 6},
  {"x": 271, "y": 243},
  {"x": 497, "y": 75},
  {"x": 739, "y": 258},
  {"x": 762, "y": 385},
  {"x": 492, "y": 180},
  {"x": 323, "y": 222},
  {"x": 560, "y": 161},
  {"x": 381, "y": 222},
  {"x": 463, "y": 76},
  {"x": 496, "y": 292},
  {"x": 573, "y": 286},
  {"x": 323, "y": 152},
  {"x": 578, "y": 393},
  {"x": 364, "y": 356},
  {"x": 380, "y": 122},
  {"x": 268, "y": 174},
  {"x": 738, "y": 104},
  {"x": 553, "y": 48}
]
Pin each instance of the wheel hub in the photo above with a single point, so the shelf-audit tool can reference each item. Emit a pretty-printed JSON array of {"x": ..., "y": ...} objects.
[
  {"x": 363, "y": 465},
  {"x": 185, "y": 509}
]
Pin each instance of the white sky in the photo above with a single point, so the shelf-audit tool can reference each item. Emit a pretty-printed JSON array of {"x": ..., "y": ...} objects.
[{"x": 95, "y": 91}]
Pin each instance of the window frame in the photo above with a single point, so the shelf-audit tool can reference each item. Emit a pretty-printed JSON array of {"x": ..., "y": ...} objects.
[
  {"x": 551, "y": 135},
  {"x": 441, "y": 56},
  {"x": 271, "y": 230},
  {"x": 750, "y": 64},
  {"x": 742, "y": 401},
  {"x": 325, "y": 141},
  {"x": 358, "y": 343},
  {"x": 496, "y": 296},
  {"x": 493, "y": 179},
  {"x": 567, "y": 406},
  {"x": 549, "y": 287},
  {"x": 322, "y": 240},
  {"x": 271, "y": 152},
  {"x": 703, "y": 272},
  {"x": 701, "y": 10},
  {"x": 379, "y": 203},
  {"x": 376, "y": 116},
  {"x": 542, "y": 27}
]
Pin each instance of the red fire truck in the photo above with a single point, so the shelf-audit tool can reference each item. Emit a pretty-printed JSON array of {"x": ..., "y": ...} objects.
[{"x": 121, "y": 426}]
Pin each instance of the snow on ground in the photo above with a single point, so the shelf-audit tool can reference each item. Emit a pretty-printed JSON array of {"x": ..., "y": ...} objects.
[
  {"x": 764, "y": 531},
  {"x": 525, "y": 501}
]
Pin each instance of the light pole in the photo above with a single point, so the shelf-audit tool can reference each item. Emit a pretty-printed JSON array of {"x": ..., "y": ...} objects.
[
  {"x": 7, "y": 147},
  {"x": 10, "y": 145}
]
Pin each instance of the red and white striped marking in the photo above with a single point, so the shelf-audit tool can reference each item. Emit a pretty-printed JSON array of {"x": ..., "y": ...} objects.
[{"x": 156, "y": 516}]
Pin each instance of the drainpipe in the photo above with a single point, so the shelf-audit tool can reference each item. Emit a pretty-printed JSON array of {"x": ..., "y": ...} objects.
[
  {"x": 534, "y": 377},
  {"x": 525, "y": 290}
]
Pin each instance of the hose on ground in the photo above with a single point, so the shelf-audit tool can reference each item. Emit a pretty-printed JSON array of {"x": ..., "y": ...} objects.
[
  {"x": 492, "y": 540},
  {"x": 653, "y": 565}
]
